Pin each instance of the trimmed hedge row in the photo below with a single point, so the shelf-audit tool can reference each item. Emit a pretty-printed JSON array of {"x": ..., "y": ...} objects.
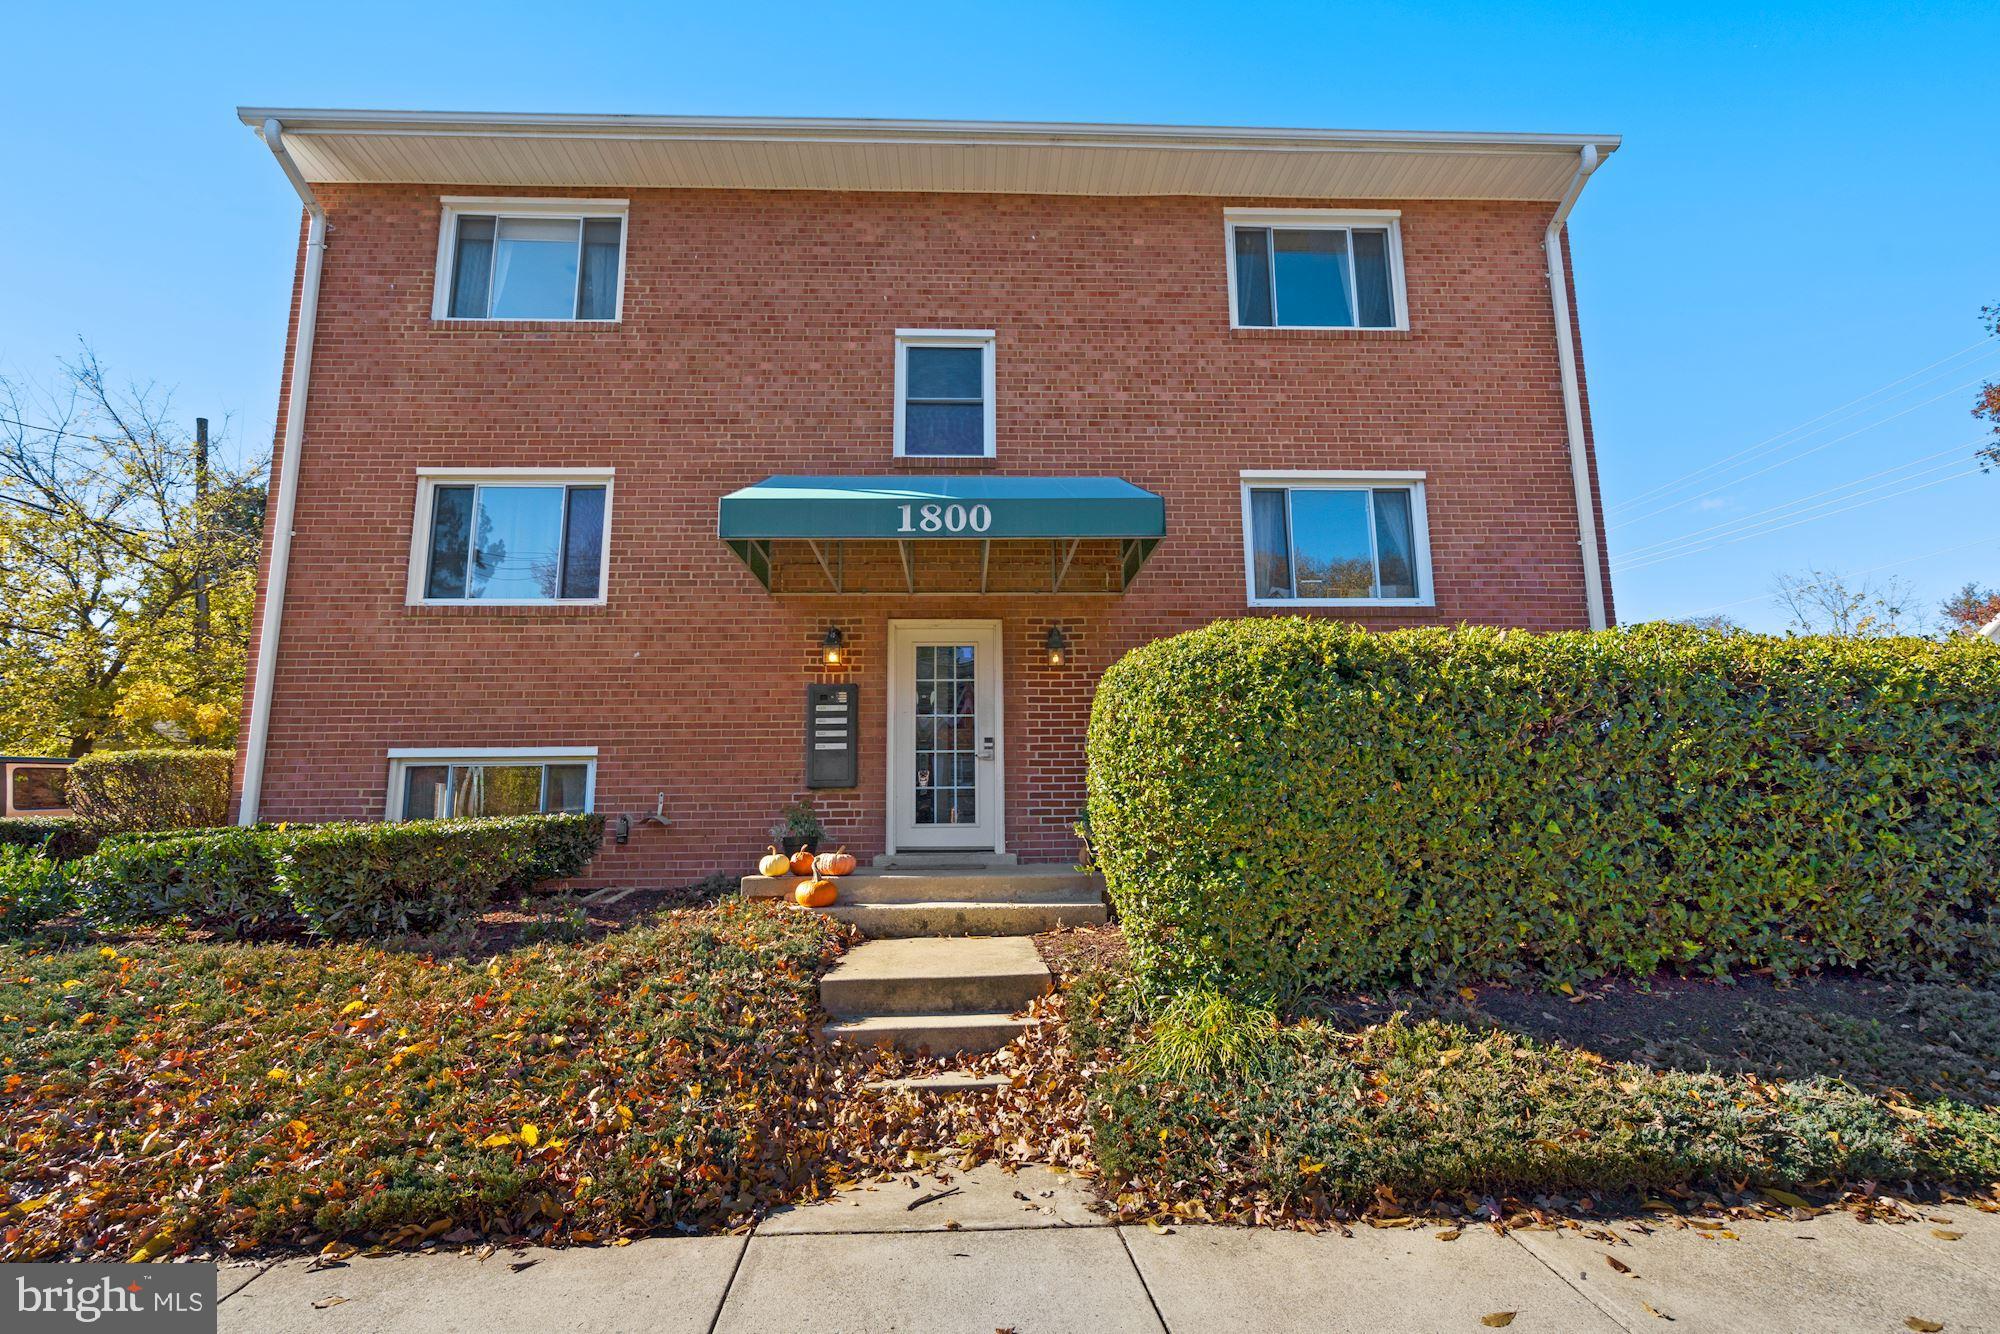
[
  {"x": 1287, "y": 805},
  {"x": 61, "y": 837},
  {"x": 334, "y": 880},
  {"x": 151, "y": 789}
]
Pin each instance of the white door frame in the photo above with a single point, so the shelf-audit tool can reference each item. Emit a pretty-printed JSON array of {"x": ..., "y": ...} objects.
[{"x": 901, "y": 724}]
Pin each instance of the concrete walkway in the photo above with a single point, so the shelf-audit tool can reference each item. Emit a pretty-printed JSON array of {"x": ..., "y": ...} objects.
[{"x": 1024, "y": 1253}]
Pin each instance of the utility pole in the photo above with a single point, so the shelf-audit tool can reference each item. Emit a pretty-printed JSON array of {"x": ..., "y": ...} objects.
[{"x": 200, "y": 534}]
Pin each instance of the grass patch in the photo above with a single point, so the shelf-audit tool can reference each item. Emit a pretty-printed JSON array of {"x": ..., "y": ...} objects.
[
  {"x": 1330, "y": 1121},
  {"x": 158, "y": 1096}
]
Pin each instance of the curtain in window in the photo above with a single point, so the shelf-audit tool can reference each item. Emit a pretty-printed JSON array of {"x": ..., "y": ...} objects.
[
  {"x": 1271, "y": 557},
  {"x": 597, "y": 299},
  {"x": 1371, "y": 279},
  {"x": 1253, "y": 276},
  {"x": 472, "y": 268},
  {"x": 451, "y": 535},
  {"x": 1395, "y": 544},
  {"x": 583, "y": 542}
]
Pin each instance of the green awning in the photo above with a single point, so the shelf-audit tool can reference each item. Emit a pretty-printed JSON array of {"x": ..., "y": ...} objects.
[{"x": 1111, "y": 523}]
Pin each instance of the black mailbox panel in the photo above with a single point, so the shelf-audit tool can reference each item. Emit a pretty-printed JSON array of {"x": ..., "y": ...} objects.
[{"x": 831, "y": 736}]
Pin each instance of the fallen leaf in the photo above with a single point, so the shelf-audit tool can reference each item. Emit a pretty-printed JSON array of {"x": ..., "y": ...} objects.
[
  {"x": 325, "y": 1302},
  {"x": 1654, "y": 1311},
  {"x": 519, "y": 1265},
  {"x": 1789, "y": 1200},
  {"x": 1449, "y": 1234},
  {"x": 1497, "y": 1320},
  {"x": 1946, "y": 1234},
  {"x": 1923, "y": 1326},
  {"x": 1618, "y": 1264},
  {"x": 530, "y": 1136}
]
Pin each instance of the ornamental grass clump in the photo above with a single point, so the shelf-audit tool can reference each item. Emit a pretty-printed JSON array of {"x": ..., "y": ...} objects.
[{"x": 1284, "y": 806}]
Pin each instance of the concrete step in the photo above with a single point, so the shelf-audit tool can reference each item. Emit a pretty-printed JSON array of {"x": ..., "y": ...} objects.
[
  {"x": 931, "y": 975},
  {"x": 932, "y": 861},
  {"x": 939, "y": 1034},
  {"x": 960, "y": 918},
  {"x": 950, "y": 1083},
  {"x": 1019, "y": 884}
]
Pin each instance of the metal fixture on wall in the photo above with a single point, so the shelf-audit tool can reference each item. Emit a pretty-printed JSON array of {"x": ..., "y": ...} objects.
[
  {"x": 832, "y": 646},
  {"x": 1058, "y": 646}
]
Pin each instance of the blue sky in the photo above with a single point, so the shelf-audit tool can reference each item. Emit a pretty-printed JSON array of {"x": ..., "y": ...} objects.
[{"x": 1805, "y": 211}]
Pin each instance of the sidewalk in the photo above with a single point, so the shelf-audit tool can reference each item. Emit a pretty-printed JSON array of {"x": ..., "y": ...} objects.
[{"x": 1024, "y": 1253}]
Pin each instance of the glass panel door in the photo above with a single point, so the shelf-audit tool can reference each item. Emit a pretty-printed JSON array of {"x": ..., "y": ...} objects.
[
  {"x": 947, "y": 751},
  {"x": 944, "y": 734}
]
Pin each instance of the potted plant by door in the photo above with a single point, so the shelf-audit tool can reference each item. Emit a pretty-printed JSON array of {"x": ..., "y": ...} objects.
[{"x": 800, "y": 829}]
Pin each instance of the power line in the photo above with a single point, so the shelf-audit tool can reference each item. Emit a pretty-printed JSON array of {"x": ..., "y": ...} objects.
[
  {"x": 1685, "y": 478},
  {"x": 1872, "y": 569},
  {"x": 1765, "y": 532},
  {"x": 1793, "y": 504},
  {"x": 1804, "y": 453}
]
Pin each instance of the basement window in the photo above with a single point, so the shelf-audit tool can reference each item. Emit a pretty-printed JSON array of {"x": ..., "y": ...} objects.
[
  {"x": 438, "y": 785},
  {"x": 1312, "y": 269},
  {"x": 560, "y": 259}
]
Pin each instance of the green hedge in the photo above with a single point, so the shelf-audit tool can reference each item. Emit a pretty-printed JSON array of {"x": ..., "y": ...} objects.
[
  {"x": 151, "y": 789},
  {"x": 1284, "y": 805},
  {"x": 33, "y": 888},
  {"x": 59, "y": 836},
  {"x": 222, "y": 879},
  {"x": 421, "y": 875}
]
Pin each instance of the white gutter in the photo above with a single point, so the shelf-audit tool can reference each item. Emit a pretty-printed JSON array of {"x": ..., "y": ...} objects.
[
  {"x": 1579, "y": 451},
  {"x": 288, "y": 480}
]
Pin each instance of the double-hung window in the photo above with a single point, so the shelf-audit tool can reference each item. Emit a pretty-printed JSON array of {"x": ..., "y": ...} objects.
[
  {"x": 1304, "y": 268},
  {"x": 517, "y": 536},
  {"x": 1340, "y": 539},
  {"x": 437, "y": 785},
  {"x": 944, "y": 393},
  {"x": 556, "y": 259}
]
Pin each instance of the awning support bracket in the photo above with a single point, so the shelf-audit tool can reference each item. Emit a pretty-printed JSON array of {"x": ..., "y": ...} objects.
[
  {"x": 825, "y": 566},
  {"x": 985, "y": 555},
  {"x": 1059, "y": 562},
  {"x": 909, "y": 567}
]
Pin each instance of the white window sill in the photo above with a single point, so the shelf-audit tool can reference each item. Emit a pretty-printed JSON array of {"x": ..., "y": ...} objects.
[
  {"x": 552, "y": 321},
  {"x": 1342, "y": 602},
  {"x": 506, "y": 602},
  {"x": 1321, "y": 328}
]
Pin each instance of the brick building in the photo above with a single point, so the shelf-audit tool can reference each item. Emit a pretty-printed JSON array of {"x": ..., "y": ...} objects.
[{"x": 604, "y": 438}]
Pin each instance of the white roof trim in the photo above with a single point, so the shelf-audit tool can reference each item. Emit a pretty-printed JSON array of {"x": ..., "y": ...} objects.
[{"x": 706, "y": 152}]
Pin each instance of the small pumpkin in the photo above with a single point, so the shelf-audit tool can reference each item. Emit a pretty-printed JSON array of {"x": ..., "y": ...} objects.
[
  {"x": 838, "y": 862},
  {"x": 802, "y": 862},
  {"x": 817, "y": 892},
  {"x": 774, "y": 863}
]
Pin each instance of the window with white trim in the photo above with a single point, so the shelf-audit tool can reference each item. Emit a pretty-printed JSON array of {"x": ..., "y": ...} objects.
[
  {"x": 531, "y": 259},
  {"x": 436, "y": 785},
  {"x": 517, "y": 536},
  {"x": 1308, "y": 269},
  {"x": 944, "y": 393},
  {"x": 1336, "y": 539}
]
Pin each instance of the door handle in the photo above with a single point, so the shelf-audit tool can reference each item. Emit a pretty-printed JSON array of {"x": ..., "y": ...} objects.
[{"x": 986, "y": 748}]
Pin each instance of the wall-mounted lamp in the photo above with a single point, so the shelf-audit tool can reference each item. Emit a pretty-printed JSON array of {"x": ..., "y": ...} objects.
[
  {"x": 1058, "y": 645},
  {"x": 832, "y": 646}
]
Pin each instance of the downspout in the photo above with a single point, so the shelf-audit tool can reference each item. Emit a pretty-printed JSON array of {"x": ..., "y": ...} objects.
[
  {"x": 1579, "y": 452},
  {"x": 288, "y": 480}
]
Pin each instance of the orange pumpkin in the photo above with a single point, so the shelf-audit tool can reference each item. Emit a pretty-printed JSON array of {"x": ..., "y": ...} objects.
[
  {"x": 774, "y": 863},
  {"x": 802, "y": 862},
  {"x": 817, "y": 892},
  {"x": 838, "y": 862}
]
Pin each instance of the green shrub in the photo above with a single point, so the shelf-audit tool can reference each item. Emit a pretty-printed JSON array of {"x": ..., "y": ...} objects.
[
  {"x": 62, "y": 837},
  {"x": 1324, "y": 1119},
  {"x": 152, "y": 789},
  {"x": 221, "y": 879},
  {"x": 1283, "y": 805},
  {"x": 350, "y": 880},
  {"x": 33, "y": 888},
  {"x": 556, "y": 846}
]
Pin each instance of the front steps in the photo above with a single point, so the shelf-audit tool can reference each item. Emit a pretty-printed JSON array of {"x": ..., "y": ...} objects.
[
  {"x": 956, "y": 901},
  {"x": 948, "y": 962},
  {"x": 941, "y": 995}
]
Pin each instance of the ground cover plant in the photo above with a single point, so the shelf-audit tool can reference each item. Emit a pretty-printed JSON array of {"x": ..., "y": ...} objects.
[
  {"x": 1282, "y": 806},
  {"x": 160, "y": 1096}
]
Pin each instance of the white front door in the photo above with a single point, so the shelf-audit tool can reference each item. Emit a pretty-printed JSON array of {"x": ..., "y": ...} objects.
[{"x": 945, "y": 766}]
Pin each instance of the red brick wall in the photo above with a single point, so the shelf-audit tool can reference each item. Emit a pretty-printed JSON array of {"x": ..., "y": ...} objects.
[{"x": 757, "y": 339}]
